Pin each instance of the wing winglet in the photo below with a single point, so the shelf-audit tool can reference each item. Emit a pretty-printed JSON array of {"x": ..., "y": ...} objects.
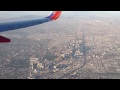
[{"x": 54, "y": 15}]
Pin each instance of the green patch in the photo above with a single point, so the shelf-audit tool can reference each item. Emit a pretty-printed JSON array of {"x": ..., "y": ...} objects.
[{"x": 49, "y": 56}]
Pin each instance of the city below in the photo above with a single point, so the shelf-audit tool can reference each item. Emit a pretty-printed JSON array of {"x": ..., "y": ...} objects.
[{"x": 76, "y": 48}]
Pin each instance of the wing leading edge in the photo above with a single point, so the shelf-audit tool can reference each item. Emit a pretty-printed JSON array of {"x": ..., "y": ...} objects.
[{"x": 7, "y": 26}]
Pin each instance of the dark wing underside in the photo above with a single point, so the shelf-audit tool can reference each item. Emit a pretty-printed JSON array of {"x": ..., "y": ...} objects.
[
  {"x": 17, "y": 25},
  {"x": 4, "y": 39},
  {"x": 7, "y": 26}
]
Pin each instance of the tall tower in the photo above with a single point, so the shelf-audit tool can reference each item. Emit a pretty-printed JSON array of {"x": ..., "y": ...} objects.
[{"x": 33, "y": 61}]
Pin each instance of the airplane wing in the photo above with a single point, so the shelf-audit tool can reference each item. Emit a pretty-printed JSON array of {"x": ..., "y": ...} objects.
[{"x": 7, "y": 26}]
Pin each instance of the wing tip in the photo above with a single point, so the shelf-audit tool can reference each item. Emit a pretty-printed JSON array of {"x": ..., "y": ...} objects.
[{"x": 54, "y": 15}]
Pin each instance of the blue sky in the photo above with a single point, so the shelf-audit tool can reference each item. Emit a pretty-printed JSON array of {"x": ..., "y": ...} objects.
[{"x": 9, "y": 14}]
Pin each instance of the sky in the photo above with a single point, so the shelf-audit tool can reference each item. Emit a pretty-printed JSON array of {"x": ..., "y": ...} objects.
[{"x": 9, "y": 14}]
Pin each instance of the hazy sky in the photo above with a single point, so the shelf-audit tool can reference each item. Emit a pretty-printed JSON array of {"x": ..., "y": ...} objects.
[{"x": 9, "y": 14}]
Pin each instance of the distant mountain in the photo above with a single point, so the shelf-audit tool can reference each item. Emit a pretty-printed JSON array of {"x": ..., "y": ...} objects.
[
  {"x": 90, "y": 14},
  {"x": 30, "y": 17},
  {"x": 69, "y": 14},
  {"x": 25, "y": 17}
]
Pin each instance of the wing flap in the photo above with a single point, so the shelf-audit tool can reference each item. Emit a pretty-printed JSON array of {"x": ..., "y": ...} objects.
[{"x": 4, "y": 39}]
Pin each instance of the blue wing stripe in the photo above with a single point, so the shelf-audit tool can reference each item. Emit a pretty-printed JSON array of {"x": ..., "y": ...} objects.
[{"x": 6, "y": 26}]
